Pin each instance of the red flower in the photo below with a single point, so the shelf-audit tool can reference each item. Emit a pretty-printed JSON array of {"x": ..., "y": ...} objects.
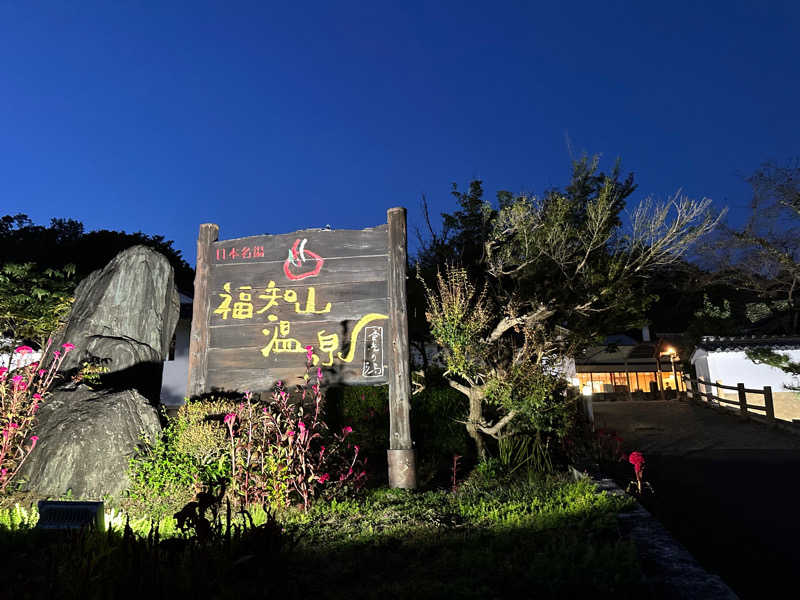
[{"x": 637, "y": 460}]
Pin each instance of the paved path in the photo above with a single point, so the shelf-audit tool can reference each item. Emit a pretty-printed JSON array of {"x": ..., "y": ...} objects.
[
  {"x": 727, "y": 489},
  {"x": 671, "y": 428}
]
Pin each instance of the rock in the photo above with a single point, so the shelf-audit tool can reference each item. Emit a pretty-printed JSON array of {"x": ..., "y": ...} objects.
[
  {"x": 124, "y": 314},
  {"x": 86, "y": 438}
]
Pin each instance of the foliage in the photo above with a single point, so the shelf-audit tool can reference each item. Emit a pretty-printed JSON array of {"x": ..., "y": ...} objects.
[
  {"x": 436, "y": 424},
  {"x": 770, "y": 357},
  {"x": 21, "y": 393},
  {"x": 235, "y": 559},
  {"x": 458, "y": 316},
  {"x": 546, "y": 537},
  {"x": 199, "y": 432},
  {"x": 162, "y": 479},
  {"x": 191, "y": 454},
  {"x": 556, "y": 273},
  {"x": 33, "y": 301},
  {"x": 65, "y": 242},
  {"x": 762, "y": 258},
  {"x": 284, "y": 449}
]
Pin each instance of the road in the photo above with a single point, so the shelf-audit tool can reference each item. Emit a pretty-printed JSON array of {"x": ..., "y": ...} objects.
[{"x": 727, "y": 489}]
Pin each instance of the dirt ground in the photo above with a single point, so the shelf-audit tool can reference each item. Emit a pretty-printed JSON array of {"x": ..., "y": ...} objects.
[{"x": 725, "y": 488}]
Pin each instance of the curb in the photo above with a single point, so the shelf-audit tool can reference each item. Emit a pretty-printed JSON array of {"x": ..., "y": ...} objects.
[{"x": 670, "y": 571}]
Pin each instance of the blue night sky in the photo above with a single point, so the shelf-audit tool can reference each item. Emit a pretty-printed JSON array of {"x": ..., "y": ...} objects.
[{"x": 158, "y": 116}]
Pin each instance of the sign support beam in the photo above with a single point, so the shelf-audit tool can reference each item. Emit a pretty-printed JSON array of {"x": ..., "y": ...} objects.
[
  {"x": 198, "y": 342},
  {"x": 401, "y": 454}
]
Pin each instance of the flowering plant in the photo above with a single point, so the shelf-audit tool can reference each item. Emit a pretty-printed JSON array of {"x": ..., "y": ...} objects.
[
  {"x": 637, "y": 460},
  {"x": 283, "y": 448},
  {"x": 21, "y": 393}
]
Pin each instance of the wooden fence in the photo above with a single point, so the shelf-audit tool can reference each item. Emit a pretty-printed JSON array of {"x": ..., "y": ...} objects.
[{"x": 764, "y": 412}]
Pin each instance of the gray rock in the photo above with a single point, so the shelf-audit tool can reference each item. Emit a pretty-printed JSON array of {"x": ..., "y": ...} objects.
[
  {"x": 124, "y": 314},
  {"x": 86, "y": 438}
]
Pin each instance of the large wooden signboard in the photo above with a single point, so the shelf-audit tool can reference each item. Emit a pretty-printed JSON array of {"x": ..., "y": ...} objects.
[
  {"x": 270, "y": 297},
  {"x": 261, "y": 302}
]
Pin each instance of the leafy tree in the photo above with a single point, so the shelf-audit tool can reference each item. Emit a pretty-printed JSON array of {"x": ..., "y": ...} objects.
[
  {"x": 763, "y": 257},
  {"x": 32, "y": 301},
  {"x": 770, "y": 357},
  {"x": 553, "y": 274},
  {"x": 65, "y": 242},
  {"x": 42, "y": 265}
]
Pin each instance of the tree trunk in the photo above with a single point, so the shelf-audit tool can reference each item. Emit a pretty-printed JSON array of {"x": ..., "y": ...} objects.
[{"x": 475, "y": 416}]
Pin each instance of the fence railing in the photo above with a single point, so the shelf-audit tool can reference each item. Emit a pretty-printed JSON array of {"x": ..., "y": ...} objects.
[{"x": 765, "y": 411}]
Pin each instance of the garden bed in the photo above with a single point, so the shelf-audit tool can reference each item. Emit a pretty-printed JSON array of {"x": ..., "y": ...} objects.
[{"x": 547, "y": 537}]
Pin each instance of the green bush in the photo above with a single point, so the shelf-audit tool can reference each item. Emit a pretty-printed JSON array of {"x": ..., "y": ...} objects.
[
  {"x": 192, "y": 453},
  {"x": 435, "y": 428}
]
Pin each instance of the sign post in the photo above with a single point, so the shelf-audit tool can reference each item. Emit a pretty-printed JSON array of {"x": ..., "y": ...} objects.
[
  {"x": 260, "y": 302},
  {"x": 401, "y": 456}
]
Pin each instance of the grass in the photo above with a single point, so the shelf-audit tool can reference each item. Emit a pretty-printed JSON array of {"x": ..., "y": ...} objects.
[{"x": 537, "y": 537}]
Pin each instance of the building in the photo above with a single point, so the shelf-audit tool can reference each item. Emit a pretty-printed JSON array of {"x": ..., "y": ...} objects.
[
  {"x": 175, "y": 377},
  {"x": 723, "y": 361},
  {"x": 623, "y": 368}
]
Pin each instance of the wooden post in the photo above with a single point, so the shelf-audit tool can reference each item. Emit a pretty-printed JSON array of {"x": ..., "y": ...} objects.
[
  {"x": 198, "y": 341},
  {"x": 742, "y": 399},
  {"x": 695, "y": 390},
  {"x": 769, "y": 404},
  {"x": 401, "y": 457}
]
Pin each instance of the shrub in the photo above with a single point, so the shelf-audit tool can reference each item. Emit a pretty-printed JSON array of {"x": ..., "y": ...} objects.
[
  {"x": 437, "y": 431},
  {"x": 192, "y": 453},
  {"x": 283, "y": 449},
  {"x": 162, "y": 479},
  {"x": 21, "y": 393}
]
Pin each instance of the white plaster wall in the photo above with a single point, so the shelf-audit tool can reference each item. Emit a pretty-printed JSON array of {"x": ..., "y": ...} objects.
[
  {"x": 731, "y": 368},
  {"x": 176, "y": 372}
]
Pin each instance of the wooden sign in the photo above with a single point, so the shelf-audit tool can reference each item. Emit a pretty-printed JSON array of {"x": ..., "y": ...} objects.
[
  {"x": 262, "y": 302},
  {"x": 270, "y": 297}
]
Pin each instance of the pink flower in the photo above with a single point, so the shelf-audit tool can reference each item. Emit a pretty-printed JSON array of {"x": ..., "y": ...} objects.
[
  {"x": 22, "y": 385},
  {"x": 42, "y": 372},
  {"x": 229, "y": 419},
  {"x": 37, "y": 396},
  {"x": 637, "y": 460},
  {"x": 67, "y": 347},
  {"x": 3, "y": 473},
  {"x": 324, "y": 478},
  {"x": 13, "y": 426},
  {"x": 56, "y": 353},
  {"x": 302, "y": 427},
  {"x": 16, "y": 378},
  {"x": 347, "y": 430},
  {"x": 309, "y": 352},
  {"x": 34, "y": 439},
  {"x": 24, "y": 350},
  {"x": 290, "y": 433},
  {"x": 6, "y": 433},
  {"x": 356, "y": 448},
  {"x": 319, "y": 373},
  {"x": 3, "y": 371}
]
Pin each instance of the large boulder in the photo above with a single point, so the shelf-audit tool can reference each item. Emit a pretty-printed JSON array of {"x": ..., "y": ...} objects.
[
  {"x": 86, "y": 438},
  {"x": 124, "y": 314},
  {"x": 123, "y": 317}
]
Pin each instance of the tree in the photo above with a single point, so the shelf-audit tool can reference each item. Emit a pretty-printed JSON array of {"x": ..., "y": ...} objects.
[
  {"x": 763, "y": 257},
  {"x": 65, "y": 242},
  {"x": 42, "y": 265},
  {"x": 32, "y": 302},
  {"x": 554, "y": 273}
]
